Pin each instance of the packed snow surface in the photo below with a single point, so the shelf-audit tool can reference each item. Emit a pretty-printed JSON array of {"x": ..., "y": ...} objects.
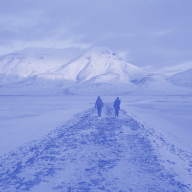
[{"x": 147, "y": 148}]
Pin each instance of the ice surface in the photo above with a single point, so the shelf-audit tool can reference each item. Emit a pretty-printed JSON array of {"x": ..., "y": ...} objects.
[
  {"x": 170, "y": 115},
  {"x": 148, "y": 148}
]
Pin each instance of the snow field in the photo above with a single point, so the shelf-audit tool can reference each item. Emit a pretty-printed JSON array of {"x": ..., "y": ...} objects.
[
  {"x": 25, "y": 118},
  {"x": 139, "y": 151}
]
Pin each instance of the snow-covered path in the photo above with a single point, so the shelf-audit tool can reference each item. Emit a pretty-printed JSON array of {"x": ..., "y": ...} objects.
[{"x": 91, "y": 153}]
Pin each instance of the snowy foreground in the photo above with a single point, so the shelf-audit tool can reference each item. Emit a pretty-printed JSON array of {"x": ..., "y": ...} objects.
[{"x": 57, "y": 143}]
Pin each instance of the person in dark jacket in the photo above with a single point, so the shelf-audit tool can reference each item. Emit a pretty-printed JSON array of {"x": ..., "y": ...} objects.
[
  {"x": 99, "y": 105},
  {"x": 117, "y": 106}
]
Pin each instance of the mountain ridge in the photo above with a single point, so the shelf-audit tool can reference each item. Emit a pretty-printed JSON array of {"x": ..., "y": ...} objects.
[
  {"x": 76, "y": 71},
  {"x": 183, "y": 79}
]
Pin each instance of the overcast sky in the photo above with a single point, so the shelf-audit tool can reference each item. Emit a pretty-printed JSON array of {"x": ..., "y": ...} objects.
[{"x": 155, "y": 35}]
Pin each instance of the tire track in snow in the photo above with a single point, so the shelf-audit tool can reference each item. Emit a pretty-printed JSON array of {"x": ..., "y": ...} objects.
[{"x": 89, "y": 154}]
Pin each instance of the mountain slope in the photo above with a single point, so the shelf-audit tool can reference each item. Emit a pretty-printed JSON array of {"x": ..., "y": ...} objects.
[
  {"x": 99, "y": 61},
  {"x": 156, "y": 84},
  {"x": 32, "y": 61},
  {"x": 182, "y": 79},
  {"x": 99, "y": 71}
]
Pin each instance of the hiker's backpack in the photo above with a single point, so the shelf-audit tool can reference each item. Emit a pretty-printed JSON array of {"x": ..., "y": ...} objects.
[{"x": 99, "y": 102}]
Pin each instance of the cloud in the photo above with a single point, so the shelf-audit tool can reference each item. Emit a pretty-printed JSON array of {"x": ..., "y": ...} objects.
[
  {"x": 162, "y": 32},
  {"x": 143, "y": 32},
  {"x": 169, "y": 70}
]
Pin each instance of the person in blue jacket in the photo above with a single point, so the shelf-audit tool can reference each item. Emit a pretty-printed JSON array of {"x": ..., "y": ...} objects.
[
  {"x": 117, "y": 106},
  {"x": 99, "y": 105}
]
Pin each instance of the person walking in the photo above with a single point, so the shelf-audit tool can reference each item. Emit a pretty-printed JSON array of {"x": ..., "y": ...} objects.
[
  {"x": 117, "y": 106},
  {"x": 99, "y": 105}
]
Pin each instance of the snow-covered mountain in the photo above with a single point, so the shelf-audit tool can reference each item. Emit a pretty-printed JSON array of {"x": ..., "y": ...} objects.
[
  {"x": 97, "y": 70},
  {"x": 156, "y": 84},
  {"x": 182, "y": 79},
  {"x": 33, "y": 61},
  {"x": 74, "y": 71}
]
